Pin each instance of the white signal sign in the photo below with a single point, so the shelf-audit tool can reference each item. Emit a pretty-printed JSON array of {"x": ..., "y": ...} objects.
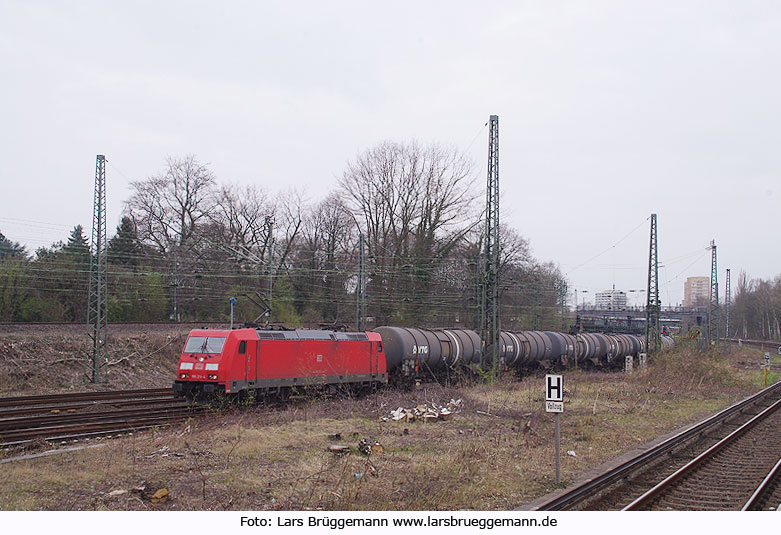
[
  {"x": 554, "y": 406},
  {"x": 554, "y": 388}
]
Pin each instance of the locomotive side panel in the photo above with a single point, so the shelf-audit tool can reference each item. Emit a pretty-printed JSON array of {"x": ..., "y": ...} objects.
[{"x": 247, "y": 359}]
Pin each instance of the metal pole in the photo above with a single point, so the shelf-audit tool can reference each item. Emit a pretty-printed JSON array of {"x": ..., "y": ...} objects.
[
  {"x": 727, "y": 305},
  {"x": 97, "y": 302},
  {"x": 489, "y": 305},
  {"x": 558, "y": 449},
  {"x": 270, "y": 267},
  {"x": 360, "y": 288},
  {"x": 652, "y": 307},
  {"x": 713, "y": 309}
]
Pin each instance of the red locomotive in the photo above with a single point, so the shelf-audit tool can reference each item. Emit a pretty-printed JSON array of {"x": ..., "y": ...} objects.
[
  {"x": 272, "y": 362},
  {"x": 255, "y": 361}
]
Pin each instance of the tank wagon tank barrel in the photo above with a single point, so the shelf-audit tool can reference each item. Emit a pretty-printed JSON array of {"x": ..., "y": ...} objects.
[
  {"x": 408, "y": 349},
  {"x": 412, "y": 351}
]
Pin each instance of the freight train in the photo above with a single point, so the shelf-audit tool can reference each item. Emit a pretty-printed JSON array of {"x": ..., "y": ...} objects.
[{"x": 255, "y": 361}]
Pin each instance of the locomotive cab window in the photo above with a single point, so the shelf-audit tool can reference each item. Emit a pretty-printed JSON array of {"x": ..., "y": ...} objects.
[
  {"x": 242, "y": 347},
  {"x": 379, "y": 347},
  {"x": 205, "y": 344}
]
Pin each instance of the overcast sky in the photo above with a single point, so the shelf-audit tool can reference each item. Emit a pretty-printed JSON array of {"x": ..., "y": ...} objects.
[{"x": 608, "y": 111}]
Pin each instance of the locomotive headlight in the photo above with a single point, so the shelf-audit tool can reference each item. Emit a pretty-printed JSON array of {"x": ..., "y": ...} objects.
[
  {"x": 212, "y": 376},
  {"x": 183, "y": 376}
]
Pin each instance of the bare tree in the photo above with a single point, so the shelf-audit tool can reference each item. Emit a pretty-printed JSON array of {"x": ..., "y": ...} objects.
[
  {"x": 167, "y": 207},
  {"x": 287, "y": 224},
  {"x": 413, "y": 203},
  {"x": 240, "y": 219},
  {"x": 324, "y": 258}
]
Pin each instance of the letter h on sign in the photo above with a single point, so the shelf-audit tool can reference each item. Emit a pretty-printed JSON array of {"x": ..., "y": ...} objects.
[{"x": 554, "y": 388}]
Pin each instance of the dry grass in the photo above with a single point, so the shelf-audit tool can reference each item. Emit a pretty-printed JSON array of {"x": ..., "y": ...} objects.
[{"x": 495, "y": 454}]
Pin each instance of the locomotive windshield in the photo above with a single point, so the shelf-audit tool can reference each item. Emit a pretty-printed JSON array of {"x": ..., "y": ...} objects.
[{"x": 204, "y": 344}]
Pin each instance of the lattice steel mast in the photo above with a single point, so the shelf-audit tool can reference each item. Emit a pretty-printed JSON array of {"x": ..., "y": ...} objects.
[
  {"x": 489, "y": 302},
  {"x": 269, "y": 224},
  {"x": 713, "y": 311},
  {"x": 562, "y": 291},
  {"x": 360, "y": 290},
  {"x": 653, "y": 305},
  {"x": 97, "y": 303},
  {"x": 727, "y": 305}
]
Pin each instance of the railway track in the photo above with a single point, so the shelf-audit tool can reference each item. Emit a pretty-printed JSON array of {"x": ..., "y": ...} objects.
[
  {"x": 768, "y": 494},
  {"x": 726, "y": 475},
  {"x": 770, "y": 345},
  {"x": 143, "y": 393},
  {"x": 72, "y": 416},
  {"x": 619, "y": 487}
]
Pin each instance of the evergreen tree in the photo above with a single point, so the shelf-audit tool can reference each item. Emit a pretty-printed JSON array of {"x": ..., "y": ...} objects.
[
  {"x": 10, "y": 248},
  {"x": 78, "y": 246},
  {"x": 124, "y": 248}
]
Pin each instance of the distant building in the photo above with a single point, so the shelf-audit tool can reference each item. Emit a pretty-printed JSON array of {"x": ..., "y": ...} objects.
[
  {"x": 610, "y": 299},
  {"x": 696, "y": 292}
]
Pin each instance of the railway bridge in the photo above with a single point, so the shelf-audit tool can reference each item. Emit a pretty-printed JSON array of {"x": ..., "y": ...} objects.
[{"x": 631, "y": 319}]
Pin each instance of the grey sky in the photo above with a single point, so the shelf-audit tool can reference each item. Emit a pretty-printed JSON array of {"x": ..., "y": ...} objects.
[{"x": 608, "y": 111}]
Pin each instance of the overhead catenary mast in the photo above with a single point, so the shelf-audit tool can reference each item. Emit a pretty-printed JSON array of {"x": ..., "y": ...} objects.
[
  {"x": 360, "y": 290},
  {"x": 489, "y": 298},
  {"x": 653, "y": 305},
  {"x": 563, "y": 291},
  {"x": 97, "y": 303},
  {"x": 713, "y": 311},
  {"x": 727, "y": 305}
]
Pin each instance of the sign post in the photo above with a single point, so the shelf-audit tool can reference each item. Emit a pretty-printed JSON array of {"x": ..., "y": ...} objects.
[
  {"x": 554, "y": 402},
  {"x": 767, "y": 365}
]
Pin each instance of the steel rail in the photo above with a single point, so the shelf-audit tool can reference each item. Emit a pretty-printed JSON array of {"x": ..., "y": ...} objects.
[
  {"x": 756, "y": 343},
  {"x": 758, "y": 495},
  {"x": 73, "y": 407},
  {"x": 52, "y": 432},
  {"x": 84, "y": 396},
  {"x": 12, "y": 424},
  {"x": 600, "y": 482},
  {"x": 703, "y": 457},
  {"x": 86, "y": 434},
  {"x": 75, "y": 437}
]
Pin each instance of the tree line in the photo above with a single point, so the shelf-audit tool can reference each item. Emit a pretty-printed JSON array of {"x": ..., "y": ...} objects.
[
  {"x": 756, "y": 311},
  {"x": 186, "y": 243}
]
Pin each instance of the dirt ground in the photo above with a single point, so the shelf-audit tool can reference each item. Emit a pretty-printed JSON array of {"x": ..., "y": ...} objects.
[{"x": 495, "y": 452}]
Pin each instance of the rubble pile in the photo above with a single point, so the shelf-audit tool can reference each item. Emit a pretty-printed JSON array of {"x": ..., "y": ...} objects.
[
  {"x": 425, "y": 413},
  {"x": 370, "y": 447}
]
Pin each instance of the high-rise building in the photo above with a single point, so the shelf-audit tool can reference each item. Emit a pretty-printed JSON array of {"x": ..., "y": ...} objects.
[
  {"x": 610, "y": 299},
  {"x": 696, "y": 292}
]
